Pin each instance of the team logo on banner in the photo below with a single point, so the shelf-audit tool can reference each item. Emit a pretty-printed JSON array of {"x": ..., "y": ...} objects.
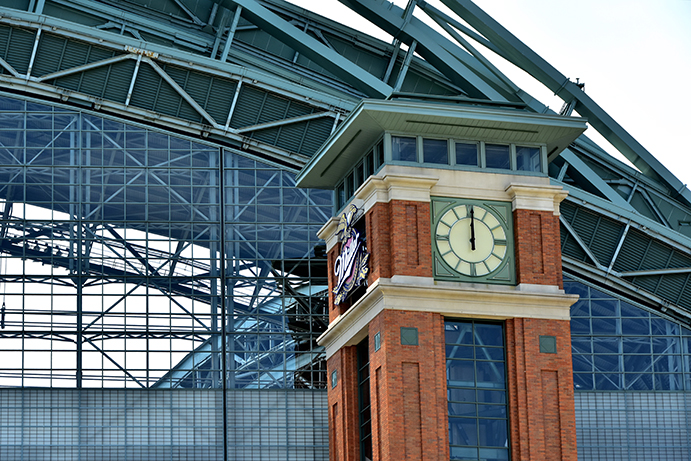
[{"x": 351, "y": 265}]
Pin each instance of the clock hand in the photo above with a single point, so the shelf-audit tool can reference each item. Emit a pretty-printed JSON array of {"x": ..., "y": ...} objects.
[{"x": 472, "y": 229}]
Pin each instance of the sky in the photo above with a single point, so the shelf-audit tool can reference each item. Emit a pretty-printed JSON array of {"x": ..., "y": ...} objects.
[{"x": 634, "y": 57}]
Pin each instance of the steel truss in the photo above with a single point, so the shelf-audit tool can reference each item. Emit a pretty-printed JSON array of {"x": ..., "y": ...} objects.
[
  {"x": 287, "y": 77},
  {"x": 84, "y": 252}
]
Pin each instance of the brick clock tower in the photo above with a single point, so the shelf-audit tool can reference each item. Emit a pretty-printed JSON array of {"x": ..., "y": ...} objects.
[{"x": 448, "y": 328}]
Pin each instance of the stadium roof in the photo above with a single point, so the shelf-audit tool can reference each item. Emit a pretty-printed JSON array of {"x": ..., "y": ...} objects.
[{"x": 268, "y": 79}]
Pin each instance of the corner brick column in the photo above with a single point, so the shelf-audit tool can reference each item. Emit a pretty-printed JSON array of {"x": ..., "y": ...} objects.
[
  {"x": 399, "y": 239},
  {"x": 344, "y": 427},
  {"x": 408, "y": 389},
  {"x": 541, "y": 397}
]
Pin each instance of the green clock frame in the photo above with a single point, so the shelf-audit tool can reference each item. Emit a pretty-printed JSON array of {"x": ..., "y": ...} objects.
[{"x": 472, "y": 241}]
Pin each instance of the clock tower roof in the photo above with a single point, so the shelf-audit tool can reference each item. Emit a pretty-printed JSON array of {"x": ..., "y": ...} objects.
[{"x": 372, "y": 118}]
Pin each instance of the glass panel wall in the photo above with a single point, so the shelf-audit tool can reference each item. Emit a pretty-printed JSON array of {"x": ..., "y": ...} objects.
[
  {"x": 477, "y": 393},
  {"x": 631, "y": 376},
  {"x": 134, "y": 259},
  {"x": 620, "y": 346}
]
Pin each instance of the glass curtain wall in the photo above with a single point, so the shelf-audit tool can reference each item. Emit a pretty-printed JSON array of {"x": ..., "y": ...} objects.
[
  {"x": 632, "y": 378},
  {"x": 477, "y": 390},
  {"x": 126, "y": 254}
]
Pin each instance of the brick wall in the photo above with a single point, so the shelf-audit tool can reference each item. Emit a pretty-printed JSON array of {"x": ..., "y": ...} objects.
[
  {"x": 344, "y": 427},
  {"x": 399, "y": 239},
  {"x": 541, "y": 398},
  {"x": 538, "y": 247},
  {"x": 408, "y": 389}
]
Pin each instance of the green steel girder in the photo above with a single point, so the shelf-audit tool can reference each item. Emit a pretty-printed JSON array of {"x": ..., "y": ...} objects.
[
  {"x": 621, "y": 248},
  {"x": 155, "y": 57},
  {"x": 595, "y": 180},
  {"x": 456, "y": 64},
  {"x": 312, "y": 48},
  {"x": 523, "y": 57}
]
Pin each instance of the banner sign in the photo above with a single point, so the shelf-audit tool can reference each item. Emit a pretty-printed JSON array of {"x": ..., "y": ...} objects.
[{"x": 351, "y": 265}]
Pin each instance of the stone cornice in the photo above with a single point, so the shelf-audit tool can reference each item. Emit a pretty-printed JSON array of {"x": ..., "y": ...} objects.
[
  {"x": 541, "y": 198},
  {"x": 451, "y": 299},
  {"x": 415, "y": 188}
]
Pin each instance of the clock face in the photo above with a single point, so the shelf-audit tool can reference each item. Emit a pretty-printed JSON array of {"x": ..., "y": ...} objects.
[{"x": 471, "y": 240}]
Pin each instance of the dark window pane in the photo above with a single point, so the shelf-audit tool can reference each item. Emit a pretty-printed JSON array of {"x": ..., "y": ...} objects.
[
  {"x": 466, "y": 154},
  {"x": 668, "y": 382},
  {"x": 379, "y": 154},
  {"x": 636, "y": 345},
  {"x": 639, "y": 382},
  {"x": 459, "y": 352},
  {"x": 489, "y": 335},
  {"x": 489, "y": 353},
  {"x": 663, "y": 327},
  {"x": 369, "y": 164},
  {"x": 581, "y": 308},
  {"x": 349, "y": 183},
  {"x": 460, "y": 373},
  {"x": 627, "y": 310},
  {"x": 608, "y": 382},
  {"x": 493, "y": 432},
  {"x": 491, "y": 411},
  {"x": 459, "y": 333},
  {"x": 637, "y": 363},
  {"x": 435, "y": 151},
  {"x": 487, "y": 396},
  {"x": 490, "y": 374},
  {"x": 580, "y": 326},
  {"x": 605, "y": 326},
  {"x": 462, "y": 409},
  {"x": 359, "y": 175},
  {"x": 582, "y": 363},
  {"x": 528, "y": 159},
  {"x": 340, "y": 196},
  {"x": 497, "y": 156},
  {"x": 635, "y": 326},
  {"x": 463, "y": 431},
  {"x": 669, "y": 345},
  {"x": 606, "y": 363},
  {"x": 583, "y": 381},
  {"x": 582, "y": 345},
  {"x": 604, "y": 308},
  {"x": 667, "y": 363},
  {"x": 403, "y": 149},
  {"x": 461, "y": 395}
]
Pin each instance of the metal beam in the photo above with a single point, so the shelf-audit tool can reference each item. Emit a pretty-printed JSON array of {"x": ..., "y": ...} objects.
[
  {"x": 650, "y": 272},
  {"x": 7, "y": 66},
  {"x": 596, "y": 181},
  {"x": 525, "y": 58},
  {"x": 286, "y": 121},
  {"x": 310, "y": 47},
  {"x": 581, "y": 243},
  {"x": 406, "y": 64},
  {"x": 85, "y": 67},
  {"x": 231, "y": 33},
  {"x": 456, "y": 64},
  {"x": 189, "y": 99}
]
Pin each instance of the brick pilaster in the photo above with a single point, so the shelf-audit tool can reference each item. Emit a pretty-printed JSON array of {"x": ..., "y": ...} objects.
[
  {"x": 399, "y": 239},
  {"x": 541, "y": 399},
  {"x": 408, "y": 389},
  {"x": 538, "y": 247},
  {"x": 344, "y": 426}
]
